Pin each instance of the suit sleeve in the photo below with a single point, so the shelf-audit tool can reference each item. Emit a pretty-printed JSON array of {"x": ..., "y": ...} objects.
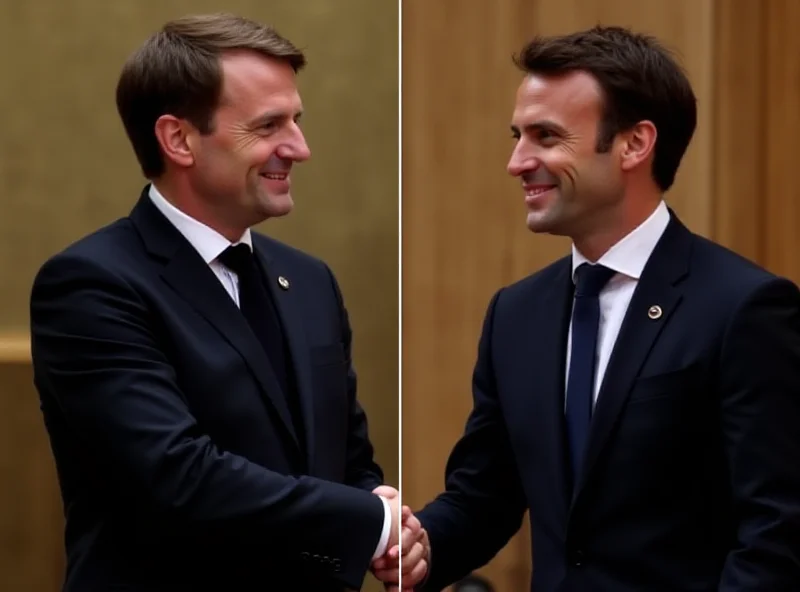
[
  {"x": 483, "y": 503},
  {"x": 760, "y": 385},
  {"x": 95, "y": 352},
  {"x": 362, "y": 471}
]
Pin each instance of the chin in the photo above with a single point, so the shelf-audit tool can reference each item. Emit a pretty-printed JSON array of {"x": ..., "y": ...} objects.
[
  {"x": 277, "y": 205},
  {"x": 554, "y": 221},
  {"x": 540, "y": 224}
]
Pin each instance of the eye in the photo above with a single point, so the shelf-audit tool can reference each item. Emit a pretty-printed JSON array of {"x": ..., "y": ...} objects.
[{"x": 546, "y": 137}]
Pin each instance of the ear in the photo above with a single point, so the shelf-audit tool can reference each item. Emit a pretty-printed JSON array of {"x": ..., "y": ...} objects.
[
  {"x": 174, "y": 137},
  {"x": 639, "y": 144}
]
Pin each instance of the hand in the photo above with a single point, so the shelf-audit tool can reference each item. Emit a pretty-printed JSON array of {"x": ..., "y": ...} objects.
[
  {"x": 414, "y": 565},
  {"x": 392, "y": 496},
  {"x": 408, "y": 558},
  {"x": 386, "y": 491},
  {"x": 389, "y": 494}
]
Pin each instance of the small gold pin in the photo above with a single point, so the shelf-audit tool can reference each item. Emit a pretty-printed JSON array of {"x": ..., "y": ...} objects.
[
  {"x": 283, "y": 282},
  {"x": 654, "y": 312}
]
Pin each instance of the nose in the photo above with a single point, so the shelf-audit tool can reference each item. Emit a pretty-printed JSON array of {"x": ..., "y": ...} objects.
[
  {"x": 522, "y": 160},
  {"x": 295, "y": 147}
]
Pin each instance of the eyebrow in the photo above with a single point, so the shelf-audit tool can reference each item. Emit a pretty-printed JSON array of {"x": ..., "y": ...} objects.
[
  {"x": 272, "y": 116},
  {"x": 543, "y": 125}
]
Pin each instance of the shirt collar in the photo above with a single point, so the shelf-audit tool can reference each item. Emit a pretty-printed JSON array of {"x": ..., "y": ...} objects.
[
  {"x": 207, "y": 241},
  {"x": 630, "y": 255}
]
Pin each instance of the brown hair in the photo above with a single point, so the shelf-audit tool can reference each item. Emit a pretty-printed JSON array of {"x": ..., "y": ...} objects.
[
  {"x": 177, "y": 71},
  {"x": 640, "y": 81}
]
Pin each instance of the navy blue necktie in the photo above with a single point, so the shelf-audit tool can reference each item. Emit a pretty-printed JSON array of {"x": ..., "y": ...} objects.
[
  {"x": 258, "y": 308},
  {"x": 580, "y": 382}
]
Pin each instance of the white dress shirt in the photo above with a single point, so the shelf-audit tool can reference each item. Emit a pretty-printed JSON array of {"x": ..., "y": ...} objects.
[
  {"x": 628, "y": 258},
  {"x": 210, "y": 245},
  {"x": 207, "y": 241}
]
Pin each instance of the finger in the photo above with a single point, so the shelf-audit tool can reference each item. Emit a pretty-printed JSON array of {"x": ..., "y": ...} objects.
[
  {"x": 416, "y": 575},
  {"x": 384, "y": 563},
  {"x": 408, "y": 538},
  {"x": 378, "y": 564},
  {"x": 412, "y": 558},
  {"x": 388, "y": 576},
  {"x": 412, "y": 522}
]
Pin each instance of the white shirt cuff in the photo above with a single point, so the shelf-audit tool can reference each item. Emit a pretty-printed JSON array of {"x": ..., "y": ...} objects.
[{"x": 383, "y": 542}]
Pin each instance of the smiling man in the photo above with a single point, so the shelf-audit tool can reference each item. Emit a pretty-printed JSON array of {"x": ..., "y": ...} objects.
[
  {"x": 640, "y": 396},
  {"x": 195, "y": 377}
]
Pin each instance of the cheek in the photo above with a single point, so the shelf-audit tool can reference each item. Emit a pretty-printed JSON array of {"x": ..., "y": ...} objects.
[
  {"x": 261, "y": 151},
  {"x": 563, "y": 164},
  {"x": 600, "y": 178},
  {"x": 216, "y": 158}
]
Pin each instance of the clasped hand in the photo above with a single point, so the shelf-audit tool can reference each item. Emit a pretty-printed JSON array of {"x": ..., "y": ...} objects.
[{"x": 408, "y": 549}]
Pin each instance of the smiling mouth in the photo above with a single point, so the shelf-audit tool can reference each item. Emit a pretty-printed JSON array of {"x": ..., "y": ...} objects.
[
  {"x": 534, "y": 190},
  {"x": 274, "y": 176}
]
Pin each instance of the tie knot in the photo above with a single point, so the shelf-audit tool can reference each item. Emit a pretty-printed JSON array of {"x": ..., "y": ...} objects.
[
  {"x": 591, "y": 279},
  {"x": 238, "y": 258}
]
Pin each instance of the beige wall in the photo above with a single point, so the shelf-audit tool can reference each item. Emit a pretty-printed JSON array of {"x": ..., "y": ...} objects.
[
  {"x": 464, "y": 231},
  {"x": 66, "y": 168}
]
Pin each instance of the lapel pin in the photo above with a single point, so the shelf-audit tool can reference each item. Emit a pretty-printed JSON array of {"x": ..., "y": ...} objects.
[
  {"x": 283, "y": 282},
  {"x": 654, "y": 312}
]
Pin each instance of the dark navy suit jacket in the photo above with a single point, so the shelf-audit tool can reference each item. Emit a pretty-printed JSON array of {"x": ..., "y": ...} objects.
[
  {"x": 692, "y": 476},
  {"x": 178, "y": 463}
]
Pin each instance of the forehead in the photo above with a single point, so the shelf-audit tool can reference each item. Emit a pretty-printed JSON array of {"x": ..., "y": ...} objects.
[
  {"x": 566, "y": 99},
  {"x": 252, "y": 82}
]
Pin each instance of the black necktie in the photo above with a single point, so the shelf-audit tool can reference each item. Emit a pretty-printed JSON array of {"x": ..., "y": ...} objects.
[
  {"x": 259, "y": 309},
  {"x": 580, "y": 382}
]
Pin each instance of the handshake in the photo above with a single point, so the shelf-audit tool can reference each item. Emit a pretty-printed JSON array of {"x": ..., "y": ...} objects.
[{"x": 405, "y": 563}]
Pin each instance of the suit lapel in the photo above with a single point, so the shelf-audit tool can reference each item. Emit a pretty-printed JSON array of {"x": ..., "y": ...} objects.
[
  {"x": 547, "y": 333},
  {"x": 187, "y": 274},
  {"x": 291, "y": 317},
  {"x": 659, "y": 286}
]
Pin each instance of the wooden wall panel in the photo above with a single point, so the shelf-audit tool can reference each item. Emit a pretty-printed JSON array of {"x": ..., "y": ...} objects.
[
  {"x": 757, "y": 90},
  {"x": 464, "y": 233},
  {"x": 778, "y": 189},
  {"x": 739, "y": 157}
]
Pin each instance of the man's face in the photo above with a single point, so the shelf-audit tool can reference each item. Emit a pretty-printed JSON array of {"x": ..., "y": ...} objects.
[
  {"x": 568, "y": 185},
  {"x": 242, "y": 169}
]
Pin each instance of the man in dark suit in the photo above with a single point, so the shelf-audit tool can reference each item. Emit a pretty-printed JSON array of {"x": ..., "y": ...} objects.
[
  {"x": 195, "y": 377},
  {"x": 641, "y": 397}
]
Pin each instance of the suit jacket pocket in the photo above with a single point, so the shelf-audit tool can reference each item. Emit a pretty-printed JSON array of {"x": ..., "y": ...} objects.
[
  {"x": 668, "y": 384},
  {"x": 323, "y": 355}
]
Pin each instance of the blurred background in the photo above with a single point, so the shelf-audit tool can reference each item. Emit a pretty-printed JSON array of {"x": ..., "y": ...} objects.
[
  {"x": 66, "y": 168},
  {"x": 464, "y": 233}
]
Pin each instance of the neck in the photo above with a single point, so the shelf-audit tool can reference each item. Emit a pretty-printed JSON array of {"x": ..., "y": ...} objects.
[
  {"x": 596, "y": 243},
  {"x": 195, "y": 207}
]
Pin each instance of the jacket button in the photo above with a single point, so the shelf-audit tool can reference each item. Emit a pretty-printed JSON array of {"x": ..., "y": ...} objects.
[{"x": 578, "y": 558}]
